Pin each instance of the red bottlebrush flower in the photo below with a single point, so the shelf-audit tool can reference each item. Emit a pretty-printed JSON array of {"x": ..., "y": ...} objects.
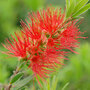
[
  {"x": 44, "y": 39},
  {"x": 53, "y": 43},
  {"x": 45, "y": 63},
  {"x": 17, "y": 48},
  {"x": 50, "y": 20},
  {"x": 69, "y": 36},
  {"x": 32, "y": 30},
  {"x": 61, "y": 33}
]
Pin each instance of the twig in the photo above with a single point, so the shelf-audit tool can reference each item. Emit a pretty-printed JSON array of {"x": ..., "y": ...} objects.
[{"x": 14, "y": 73}]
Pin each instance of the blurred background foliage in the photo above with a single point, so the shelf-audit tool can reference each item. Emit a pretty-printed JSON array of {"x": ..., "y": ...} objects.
[{"x": 75, "y": 75}]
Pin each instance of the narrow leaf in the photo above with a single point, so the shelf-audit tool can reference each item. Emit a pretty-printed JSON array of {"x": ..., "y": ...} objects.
[
  {"x": 48, "y": 84},
  {"x": 16, "y": 77},
  {"x": 21, "y": 65},
  {"x": 54, "y": 83},
  {"x": 79, "y": 5},
  {"x": 70, "y": 9},
  {"x": 64, "y": 88},
  {"x": 23, "y": 82},
  {"x": 82, "y": 10},
  {"x": 67, "y": 4},
  {"x": 77, "y": 0}
]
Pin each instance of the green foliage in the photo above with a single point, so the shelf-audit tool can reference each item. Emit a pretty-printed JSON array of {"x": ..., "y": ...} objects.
[
  {"x": 21, "y": 83},
  {"x": 16, "y": 77},
  {"x": 65, "y": 86},
  {"x": 74, "y": 8},
  {"x": 81, "y": 10},
  {"x": 70, "y": 8},
  {"x": 79, "y": 5},
  {"x": 50, "y": 84},
  {"x": 54, "y": 83},
  {"x": 67, "y": 4}
]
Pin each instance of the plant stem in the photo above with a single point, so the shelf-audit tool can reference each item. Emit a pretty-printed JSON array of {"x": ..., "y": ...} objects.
[
  {"x": 14, "y": 73},
  {"x": 8, "y": 87}
]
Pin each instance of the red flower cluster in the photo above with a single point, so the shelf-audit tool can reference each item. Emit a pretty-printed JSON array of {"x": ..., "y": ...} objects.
[{"x": 44, "y": 41}]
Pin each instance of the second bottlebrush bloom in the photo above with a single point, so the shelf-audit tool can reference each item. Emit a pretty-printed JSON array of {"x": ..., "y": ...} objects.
[{"x": 43, "y": 41}]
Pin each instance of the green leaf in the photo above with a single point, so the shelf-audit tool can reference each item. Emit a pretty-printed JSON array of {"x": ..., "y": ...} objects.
[
  {"x": 82, "y": 10},
  {"x": 79, "y": 5},
  {"x": 21, "y": 65},
  {"x": 23, "y": 82},
  {"x": 70, "y": 9},
  {"x": 16, "y": 77},
  {"x": 48, "y": 85},
  {"x": 54, "y": 83},
  {"x": 67, "y": 4},
  {"x": 64, "y": 88},
  {"x": 77, "y": 1}
]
